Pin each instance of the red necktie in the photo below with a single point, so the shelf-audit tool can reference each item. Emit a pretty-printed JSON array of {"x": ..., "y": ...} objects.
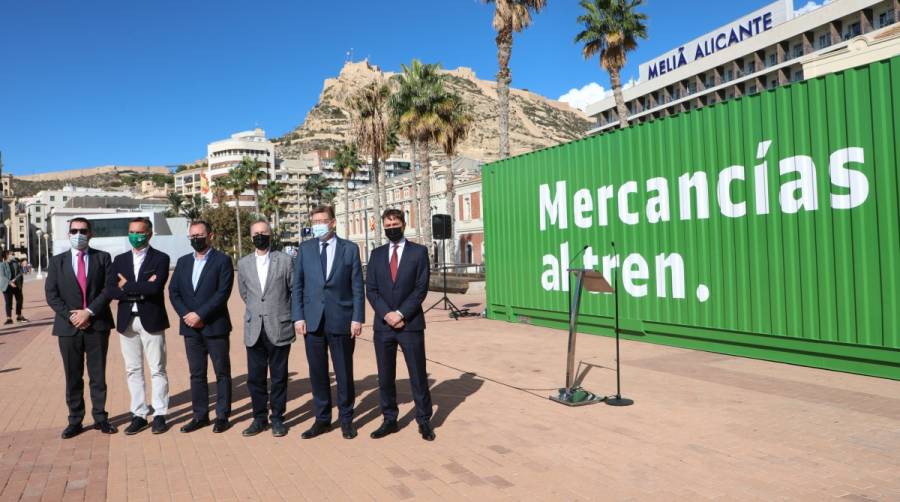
[
  {"x": 394, "y": 262},
  {"x": 82, "y": 279}
]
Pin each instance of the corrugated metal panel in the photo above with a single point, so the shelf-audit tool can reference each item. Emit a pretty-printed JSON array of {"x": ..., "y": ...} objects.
[{"x": 817, "y": 284}]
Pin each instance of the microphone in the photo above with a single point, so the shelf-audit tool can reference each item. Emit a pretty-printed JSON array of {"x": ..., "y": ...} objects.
[{"x": 578, "y": 254}]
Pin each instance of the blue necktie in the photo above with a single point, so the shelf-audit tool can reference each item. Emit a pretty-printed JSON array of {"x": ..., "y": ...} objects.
[{"x": 323, "y": 257}]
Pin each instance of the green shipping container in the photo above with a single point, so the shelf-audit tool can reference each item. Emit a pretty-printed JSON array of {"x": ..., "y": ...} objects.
[{"x": 764, "y": 227}]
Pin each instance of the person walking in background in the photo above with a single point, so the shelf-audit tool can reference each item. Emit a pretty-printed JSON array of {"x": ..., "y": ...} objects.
[
  {"x": 138, "y": 281},
  {"x": 397, "y": 276},
  {"x": 264, "y": 283},
  {"x": 199, "y": 291},
  {"x": 11, "y": 281},
  {"x": 328, "y": 308},
  {"x": 76, "y": 291}
]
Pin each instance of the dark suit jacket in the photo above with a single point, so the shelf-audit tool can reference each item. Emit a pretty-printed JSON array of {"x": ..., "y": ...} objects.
[
  {"x": 405, "y": 295},
  {"x": 64, "y": 295},
  {"x": 148, "y": 295},
  {"x": 338, "y": 300},
  {"x": 210, "y": 300}
]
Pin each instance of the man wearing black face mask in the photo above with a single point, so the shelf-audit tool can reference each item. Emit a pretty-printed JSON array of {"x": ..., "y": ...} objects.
[
  {"x": 264, "y": 282},
  {"x": 199, "y": 291},
  {"x": 397, "y": 276}
]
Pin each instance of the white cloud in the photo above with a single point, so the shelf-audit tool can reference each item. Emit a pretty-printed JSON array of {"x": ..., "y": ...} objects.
[
  {"x": 587, "y": 95},
  {"x": 810, "y": 6}
]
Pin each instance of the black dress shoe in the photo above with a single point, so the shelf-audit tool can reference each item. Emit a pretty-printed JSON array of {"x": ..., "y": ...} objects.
[
  {"x": 426, "y": 431},
  {"x": 21, "y": 319},
  {"x": 221, "y": 425},
  {"x": 387, "y": 427},
  {"x": 194, "y": 424},
  {"x": 8, "y": 321},
  {"x": 255, "y": 428},
  {"x": 137, "y": 425},
  {"x": 279, "y": 429},
  {"x": 348, "y": 430},
  {"x": 106, "y": 427},
  {"x": 159, "y": 424},
  {"x": 72, "y": 430},
  {"x": 316, "y": 429}
]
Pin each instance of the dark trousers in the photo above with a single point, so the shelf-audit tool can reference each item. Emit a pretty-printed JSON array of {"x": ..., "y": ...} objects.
[
  {"x": 91, "y": 346},
  {"x": 413, "y": 345},
  {"x": 341, "y": 346},
  {"x": 200, "y": 350},
  {"x": 263, "y": 356},
  {"x": 9, "y": 295}
]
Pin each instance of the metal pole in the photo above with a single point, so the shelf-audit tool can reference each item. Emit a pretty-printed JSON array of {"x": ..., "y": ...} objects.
[
  {"x": 40, "y": 273},
  {"x": 28, "y": 234},
  {"x": 366, "y": 227},
  {"x": 573, "y": 330}
]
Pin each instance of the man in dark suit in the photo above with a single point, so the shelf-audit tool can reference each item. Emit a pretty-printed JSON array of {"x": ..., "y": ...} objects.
[
  {"x": 199, "y": 291},
  {"x": 397, "y": 276},
  {"x": 76, "y": 291},
  {"x": 328, "y": 309},
  {"x": 138, "y": 280}
]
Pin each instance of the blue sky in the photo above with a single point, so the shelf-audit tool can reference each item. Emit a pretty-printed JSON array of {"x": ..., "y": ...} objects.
[{"x": 150, "y": 83}]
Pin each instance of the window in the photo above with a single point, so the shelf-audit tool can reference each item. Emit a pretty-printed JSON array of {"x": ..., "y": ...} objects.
[
  {"x": 824, "y": 40},
  {"x": 798, "y": 75},
  {"x": 692, "y": 88},
  {"x": 37, "y": 220},
  {"x": 773, "y": 59},
  {"x": 798, "y": 50},
  {"x": 112, "y": 227},
  {"x": 467, "y": 208},
  {"x": 729, "y": 75},
  {"x": 751, "y": 67},
  {"x": 65, "y": 198},
  {"x": 773, "y": 83},
  {"x": 886, "y": 18},
  {"x": 52, "y": 198},
  {"x": 752, "y": 89}
]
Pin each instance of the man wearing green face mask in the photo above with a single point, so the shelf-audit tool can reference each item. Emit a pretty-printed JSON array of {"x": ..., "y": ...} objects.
[{"x": 137, "y": 281}]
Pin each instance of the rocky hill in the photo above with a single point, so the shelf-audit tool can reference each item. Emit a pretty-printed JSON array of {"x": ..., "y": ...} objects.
[{"x": 535, "y": 121}]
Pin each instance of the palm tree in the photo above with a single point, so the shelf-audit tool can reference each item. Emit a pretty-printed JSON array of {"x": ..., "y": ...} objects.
[
  {"x": 372, "y": 134},
  {"x": 415, "y": 110},
  {"x": 611, "y": 29},
  {"x": 254, "y": 173},
  {"x": 236, "y": 182},
  {"x": 270, "y": 201},
  {"x": 455, "y": 123},
  {"x": 347, "y": 163},
  {"x": 193, "y": 207},
  {"x": 176, "y": 201},
  {"x": 317, "y": 189},
  {"x": 510, "y": 16}
]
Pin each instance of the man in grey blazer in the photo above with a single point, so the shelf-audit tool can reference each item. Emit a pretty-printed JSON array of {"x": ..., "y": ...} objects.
[
  {"x": 328, "y": 308},
  {"x": 264, "y": 282}
]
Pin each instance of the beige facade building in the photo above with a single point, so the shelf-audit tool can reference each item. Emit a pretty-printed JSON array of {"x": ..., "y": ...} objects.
[
  {"x": 190, "y": 182},
  {"x": 767, "y": 48}
]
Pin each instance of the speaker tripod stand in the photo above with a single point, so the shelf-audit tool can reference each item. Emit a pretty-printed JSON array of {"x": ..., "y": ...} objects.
[{"x": 455, "y": 312}]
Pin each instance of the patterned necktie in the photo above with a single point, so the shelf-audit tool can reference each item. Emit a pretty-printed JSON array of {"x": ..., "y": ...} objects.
[
  {"x": 323, "y": 257},
  {"x": 394, "y": 263},
  {"x": 82, "y": 279}
]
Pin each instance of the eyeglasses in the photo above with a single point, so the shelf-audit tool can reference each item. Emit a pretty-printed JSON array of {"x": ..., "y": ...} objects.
[
  {"x": 196, "y": 236},
  {"x": 82, "y": 231}
]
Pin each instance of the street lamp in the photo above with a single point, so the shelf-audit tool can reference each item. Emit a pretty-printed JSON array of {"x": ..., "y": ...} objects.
[
  {"x": 7, "y": 223},
  {"x": 40, "y": 274}
]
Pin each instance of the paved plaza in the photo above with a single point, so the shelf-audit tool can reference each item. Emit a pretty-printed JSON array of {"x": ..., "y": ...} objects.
[{"x": 704, "y": 426}]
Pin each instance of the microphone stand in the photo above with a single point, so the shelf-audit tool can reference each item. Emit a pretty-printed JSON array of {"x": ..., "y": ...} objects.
[{"x": 617, "y": 400}]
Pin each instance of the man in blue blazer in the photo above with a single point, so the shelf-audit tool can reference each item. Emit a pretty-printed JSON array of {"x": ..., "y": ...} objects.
[
  {"x": 328, "y": 309},
  {"x": 199, "y": 291},
  {"x": 397, "y": 276},
  {"x": 138, "y": 281}
]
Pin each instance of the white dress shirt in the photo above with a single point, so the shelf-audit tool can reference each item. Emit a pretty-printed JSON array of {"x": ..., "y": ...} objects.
[
  {"x": 262, "y": 269},
  {"x": 400, "y": 245},
  {"x": 332, "y": 243},
  {"x": 75, "y": 261},
  {"x": 138, "y": 256}
]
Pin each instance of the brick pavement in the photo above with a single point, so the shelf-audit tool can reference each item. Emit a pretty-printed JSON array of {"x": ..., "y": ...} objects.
[{"x": 704, "y": 427}]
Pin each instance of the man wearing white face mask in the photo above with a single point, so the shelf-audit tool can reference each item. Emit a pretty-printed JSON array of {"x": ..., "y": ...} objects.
[
  {"x": 76, "y": 291},
  {"x": 328, "y": 309}
]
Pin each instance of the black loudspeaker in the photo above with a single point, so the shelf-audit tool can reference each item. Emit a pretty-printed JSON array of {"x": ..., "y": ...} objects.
[{"x": 440, "y": 226}]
